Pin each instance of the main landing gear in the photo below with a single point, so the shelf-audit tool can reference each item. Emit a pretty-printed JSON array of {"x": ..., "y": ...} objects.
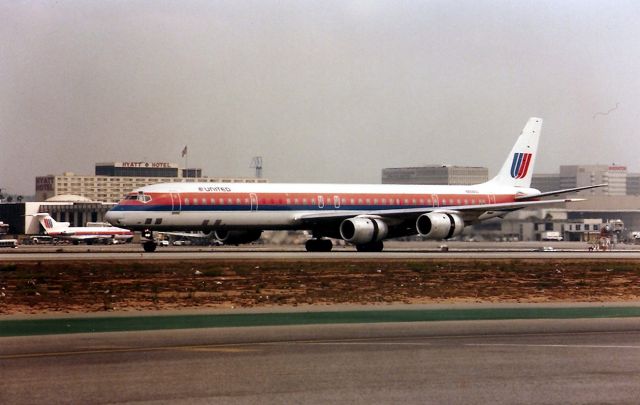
[
  {"x": 370, "y": 247},
  {"x": 319, "y": 245}
]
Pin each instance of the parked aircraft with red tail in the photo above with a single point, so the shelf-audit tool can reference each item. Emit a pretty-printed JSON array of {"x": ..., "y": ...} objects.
[
  {"x": 363, "y": 215},
  {"x": 86, "y": 234}
]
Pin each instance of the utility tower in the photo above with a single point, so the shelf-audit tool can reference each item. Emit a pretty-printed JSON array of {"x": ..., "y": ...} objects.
[{"x": 256, "y": 163}]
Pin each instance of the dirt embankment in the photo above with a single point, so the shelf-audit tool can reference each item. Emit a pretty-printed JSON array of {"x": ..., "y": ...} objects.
[{"x": 122, "y": 285}]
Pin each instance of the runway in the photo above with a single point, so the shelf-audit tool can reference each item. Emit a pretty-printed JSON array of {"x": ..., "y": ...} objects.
[
  {"x": 395, "y": 252},
  {"x": 533, "y": 361}
]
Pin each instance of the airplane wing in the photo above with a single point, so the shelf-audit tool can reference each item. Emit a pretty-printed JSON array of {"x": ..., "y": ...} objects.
[
  {"x": 88, "y": 237},
  {"x": 196, "y": 235},
  {"x": 469, "y": 213}
]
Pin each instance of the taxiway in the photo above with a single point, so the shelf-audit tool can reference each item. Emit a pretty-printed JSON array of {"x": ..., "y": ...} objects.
[{"x": 532, "y": 361}]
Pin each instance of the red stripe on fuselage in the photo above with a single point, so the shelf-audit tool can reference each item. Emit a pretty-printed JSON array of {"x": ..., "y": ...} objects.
[{"x": 313, "y": 199}]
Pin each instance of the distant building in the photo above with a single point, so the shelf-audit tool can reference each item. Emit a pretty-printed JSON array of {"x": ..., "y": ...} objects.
[
  {"x": 546, "y": 182},
  {"x": 436, "y": 174},
  {"x": 633, "y": 184},
  {"x": 138, "y": 169},
  {"x": 585, "y": 175},
  {"x": 113, "y": 180}
]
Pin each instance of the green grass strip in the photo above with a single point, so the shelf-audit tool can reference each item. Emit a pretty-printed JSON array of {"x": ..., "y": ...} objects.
[{"x": 29, "y": 327}]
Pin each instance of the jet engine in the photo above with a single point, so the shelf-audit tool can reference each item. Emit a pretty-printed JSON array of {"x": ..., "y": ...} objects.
[
  {"x": 361, "y": 230},
  {"x": 439, "y": 225},
  {"x": 237, "y": 237}
]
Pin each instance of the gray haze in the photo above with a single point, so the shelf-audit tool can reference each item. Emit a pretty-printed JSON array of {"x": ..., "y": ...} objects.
[{"x": 325, "y": 91}]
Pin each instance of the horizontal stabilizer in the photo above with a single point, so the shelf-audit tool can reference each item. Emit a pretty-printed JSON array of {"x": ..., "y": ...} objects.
[{"x": 557, "y": 192}]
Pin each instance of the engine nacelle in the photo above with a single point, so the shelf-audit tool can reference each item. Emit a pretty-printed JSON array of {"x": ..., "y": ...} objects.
[
  {"x": 237, "y": 237},
  {"x": 439, "y": 225},
  {"x": 360, "y": 230}
]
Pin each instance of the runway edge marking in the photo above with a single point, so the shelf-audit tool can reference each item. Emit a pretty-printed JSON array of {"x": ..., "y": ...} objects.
[{"x": 32, "y": 327}]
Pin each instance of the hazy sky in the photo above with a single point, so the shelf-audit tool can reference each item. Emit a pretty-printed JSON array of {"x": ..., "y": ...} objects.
[{"x": 325, "y": 91}]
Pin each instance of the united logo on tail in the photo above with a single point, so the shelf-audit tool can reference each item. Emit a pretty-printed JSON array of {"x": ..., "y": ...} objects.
[{"x": 520, "y": 165}]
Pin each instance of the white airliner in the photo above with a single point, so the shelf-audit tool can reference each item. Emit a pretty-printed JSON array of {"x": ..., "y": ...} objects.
[
  {"x": 363, "y": 215},
  {"x": 87, "y": 234}
]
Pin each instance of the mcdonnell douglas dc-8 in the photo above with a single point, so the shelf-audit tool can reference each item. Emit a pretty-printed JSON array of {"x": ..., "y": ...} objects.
[{"x": 362, "y": 215}]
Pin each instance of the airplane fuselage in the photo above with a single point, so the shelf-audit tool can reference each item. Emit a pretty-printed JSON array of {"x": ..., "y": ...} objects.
[
  {"x": 90, "y": 232},
  {"x": 209, "y": 206}
]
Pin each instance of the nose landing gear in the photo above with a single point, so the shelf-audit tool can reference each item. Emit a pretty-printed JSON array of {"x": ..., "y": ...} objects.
[{"x": 150, "y": 245}]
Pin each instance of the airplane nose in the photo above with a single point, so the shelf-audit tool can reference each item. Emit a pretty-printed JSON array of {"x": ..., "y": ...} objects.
[{"x": 113, "y": 218}]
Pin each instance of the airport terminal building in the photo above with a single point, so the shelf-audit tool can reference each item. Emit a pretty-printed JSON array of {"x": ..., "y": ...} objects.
[
  {"x": 113, "y": 180},
  {"x": 620, "y": 181},
  {"x": 435, "y": 174}
]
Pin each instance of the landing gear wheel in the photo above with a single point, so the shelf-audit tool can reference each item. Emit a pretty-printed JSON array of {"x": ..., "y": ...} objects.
[
  {"x": 371, "y": 247},
  {"x": 318, "y": 245},
  {"x": 149, "y": 246}
]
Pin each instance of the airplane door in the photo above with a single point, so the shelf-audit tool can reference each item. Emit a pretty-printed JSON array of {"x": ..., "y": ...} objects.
[
  {"x": 254, "y": 201},
  {"x": 176, "y": 203},
  {"x": 320, "y": 201},
  {"x": 434, "y": 198},
  {"x": 491, "y": 198},
  {"x": 336, "y": 201}
]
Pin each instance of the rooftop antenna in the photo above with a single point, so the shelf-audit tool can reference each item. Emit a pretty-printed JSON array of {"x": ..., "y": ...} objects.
[{"x": 256, "y": 163}]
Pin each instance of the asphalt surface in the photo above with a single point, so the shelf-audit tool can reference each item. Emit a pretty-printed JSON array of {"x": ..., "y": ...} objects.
[
  {"x": 517, "y": 361},
  {"x": 394, "y": 250}
]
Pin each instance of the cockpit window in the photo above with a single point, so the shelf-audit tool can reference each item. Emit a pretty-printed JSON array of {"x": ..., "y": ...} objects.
[{"x": 138, "y": 197}]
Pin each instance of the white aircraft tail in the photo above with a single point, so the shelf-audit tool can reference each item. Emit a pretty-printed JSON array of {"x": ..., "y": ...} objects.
[
  {"x": 518, "y": 168},
  {"x": 49, "y": 223}
]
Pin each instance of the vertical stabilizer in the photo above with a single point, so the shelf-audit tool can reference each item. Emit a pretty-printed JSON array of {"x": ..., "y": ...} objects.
[
  {"x": 518, "y": 168},
  {"x": 49, "y": 223}
]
